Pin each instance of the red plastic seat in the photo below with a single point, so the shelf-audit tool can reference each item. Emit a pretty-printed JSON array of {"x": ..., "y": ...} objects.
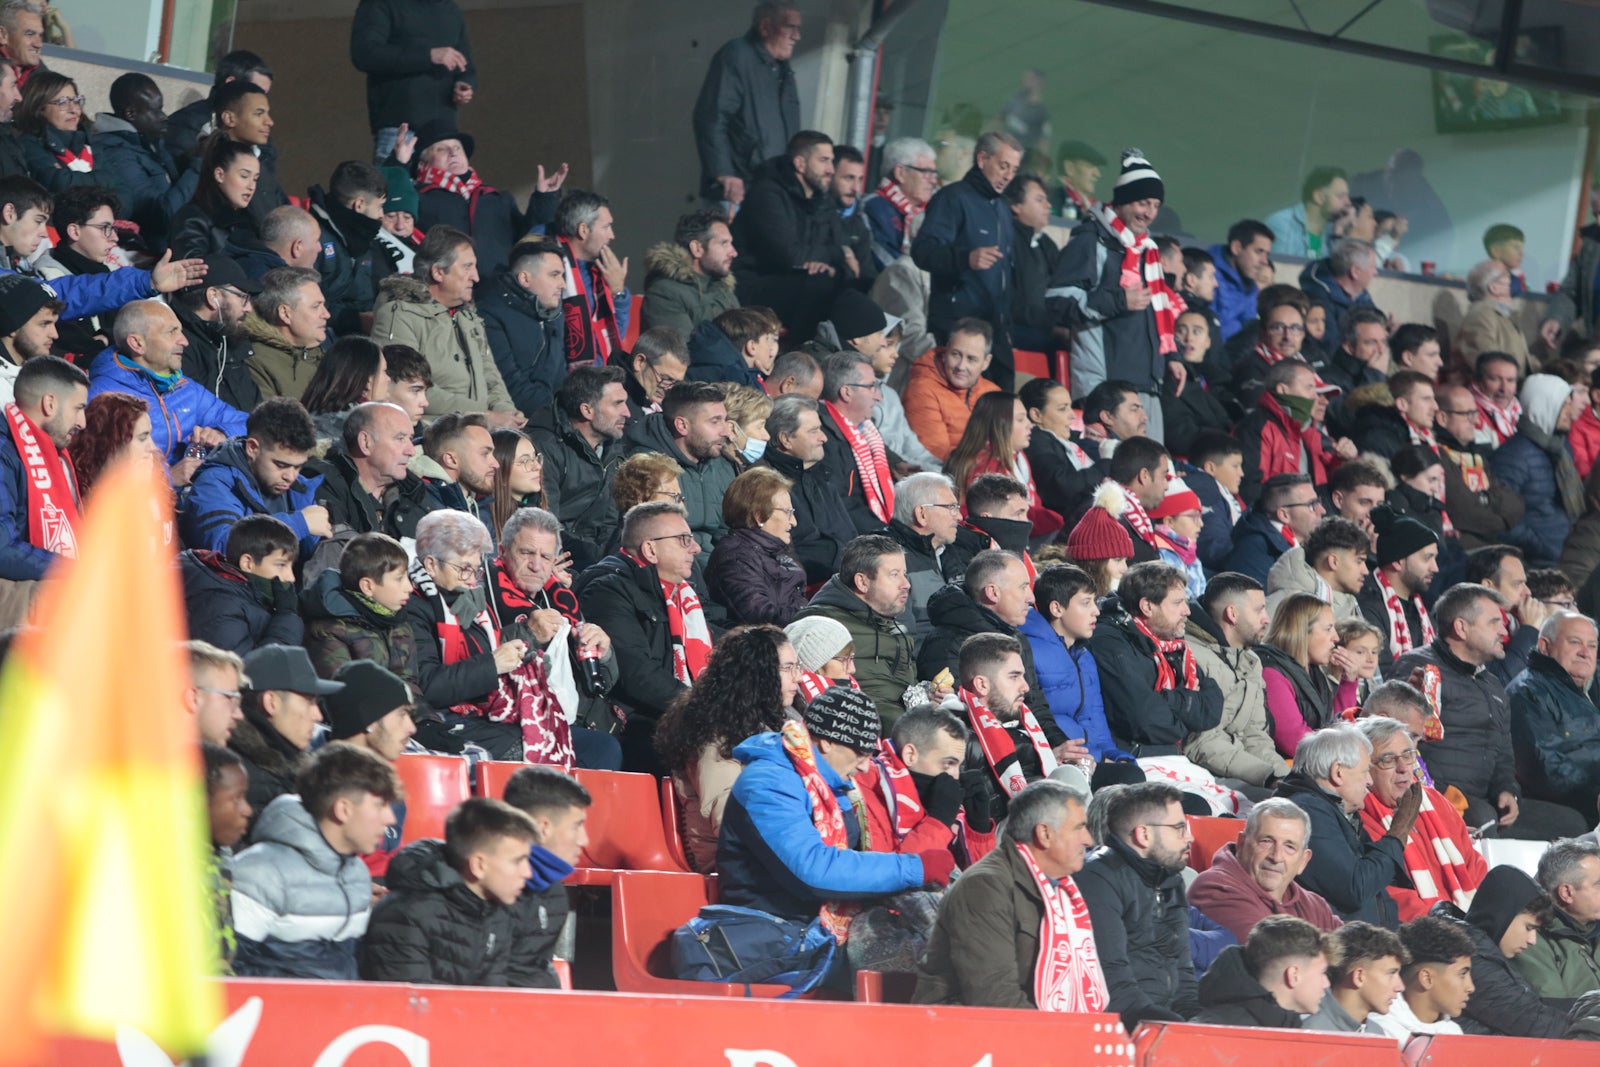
[
  {"x": 434, "y": 786},
  {"x": 671, "y": 822},
  {"x": 563, "y": 969},
  {"x": 625, "y": 830},
  {"x": 1210, "y": 834},
  {"x": 489, "y": 777},
  {"x": 1033, "y": 364},
  {"x": 635, "y": 314},
  {"x": 885, "y": 987}
]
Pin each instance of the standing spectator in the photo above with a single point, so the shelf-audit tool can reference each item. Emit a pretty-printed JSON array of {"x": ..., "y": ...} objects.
[
  {"x": 1238, "y": 261},
  {"x": 1565, "y": 962},
  {"x": 349, "y": 215},
  {"x": 581, "y": 449},
  {"x": 190, "y": 123},
  {"x": 946, "y": 383},
  {"x": 895, "y": 208},
  {"x": 133, "y": 159},
  {"x": 279, "y": 701},
  {"x": 595, "y": 293},
  {"x": 1254, "y": 877},
  {"x": 1299, "y": 646},
  {"x": 1408, "y": 560},
  {"x": 689, "y": 280},
  {"x": 418, "y": 64},
  {"x": 55, "y": 139},
  {"x": 751, "y": 572},
  {"x": 853, "y": 231},
  {"x": 1080, "y": 167},
  {"x": 1339, "y": 284},
  {"x": 39, "y": 496},
  {"x": 1299, "y": 230},
  {"x": 1555, "y": 725},
  {"x": 749, "y": 107},
  {"x": 1034, "y": 325},
  {"x": 212, "y": 314},
  {"x": 1536, "y": 463},
  {"x": 1224, "y": 629}
]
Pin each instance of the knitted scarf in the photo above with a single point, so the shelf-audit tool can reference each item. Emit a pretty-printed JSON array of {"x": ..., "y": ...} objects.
[
  {"x": 999, "y": 749},
  {"x": 1502, "y": 421},
  {"x": 468, "y": 186},
  {"x": 592, "y": 333},
  {"x": 80, "y": 162},
  {"x": 1141, "y": 266},
  {"x": 813, "y": 685},
  {"x": 1421, "y": 436},
  {"x": 1474, "y": 472},
  {"x": 890, "y": 190},
  {"x": 1569, "y": 486},
  {"x": 1429, "y": 850},
  {"x": 50, "y": 484},
  {"x": 826, "y": 816},
  {"x": 1067, "y": 977},
  {"x": 686, "y": 621},
  {"x": 1166, "y": 676},
  {"x": 872, "y": 462},
  {"x": 1134, "y": 515},
  {"x": 1268, "y": 354},
  {"x": 1400, "y": 641},
  {"x": 899, "y": 791}
]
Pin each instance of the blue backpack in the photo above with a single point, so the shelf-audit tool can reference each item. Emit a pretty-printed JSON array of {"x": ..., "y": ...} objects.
[{"x": 725, "y": 943}]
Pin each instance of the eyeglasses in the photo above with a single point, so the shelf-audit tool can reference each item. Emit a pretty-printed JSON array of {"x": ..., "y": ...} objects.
[
  {"x": 1181, "y": 827},
  {"x": 235, "y": 697},
  {"x": 663, "y": 380},
  {"x": 676, "y": 498},
  {"x": 67, "y": 101},
  {"x": 1564, "y": 604},
  {"x": 1304, "y": 504},
  {"x": 789, "y": 670},
  {"x": 876, "y": 387},
  {"x": 1389, "y": 760},
  {"x": 231, "y": 291},
  {"x": 952, "y": 507},
  {"x": 1458, "y": 412},
  {"x": 926, "y": 172},
  {"x": 844, "y": 657},
  {"x": 465, "y": 570},
  {"x": 685, "y": 540},
  {"x": 1285, "y": 327},
  {"x": 787, "y": 511},
  {"x": 107, "y": 229},
  {"x": 528, "y": 463}
]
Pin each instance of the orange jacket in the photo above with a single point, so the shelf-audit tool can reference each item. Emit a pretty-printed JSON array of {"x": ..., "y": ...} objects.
[{"x": 938, "y": 411}]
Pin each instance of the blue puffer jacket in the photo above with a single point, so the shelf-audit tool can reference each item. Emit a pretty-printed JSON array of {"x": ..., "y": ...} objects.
[
  {"x": 95, "y": 294},
  {"x": 960, "y": 218},
  {"x": 1257, "y": 544},
  {"x": 713, "y": 357},
  {"x": 175, "y": 411},
  {"x": 1235, "y": 302},
  {"x": 20, "y": 561},
  {"x": 1071, "y": 683},
  {"x": 1529, "y": 471},
  {"x": 224, "y": 490},
  {"x": 770, "y": 856}
]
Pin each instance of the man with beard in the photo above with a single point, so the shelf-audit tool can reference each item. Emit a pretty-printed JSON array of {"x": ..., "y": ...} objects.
[
  {"x": 1230, "y": 618},
  {"x": 29, "y": 312},
  {"x": 212, "y": 315},
  {"x": 349, "y": 214},
  {"x": 462, "y": 468},
  {"x": 595, "y": 297},
  {"x": 689, "y": 280},
  {"x": 1012, "y": 745},
  {"x": 1391, "y": 598},
  {"x": 1134, "y": 889},
  {"x": 855, "y": 232},
  {"x": 582, "y": 449},
  {"x": 692, "y": 429},
  {"x": 866, "y": 597},
  {"x": 38, "y": 488}
]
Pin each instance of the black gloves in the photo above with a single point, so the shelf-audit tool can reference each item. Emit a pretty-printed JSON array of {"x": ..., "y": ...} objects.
[
  {"x": 978, "y": 790},
  {"x": 941, "y": 796},
  {"x": 284, "y": 601}
]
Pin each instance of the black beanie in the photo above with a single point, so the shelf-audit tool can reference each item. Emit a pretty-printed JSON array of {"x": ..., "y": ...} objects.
[
  {"x": 1399, "y": 535},
  {"x": 844, "y": 715}
]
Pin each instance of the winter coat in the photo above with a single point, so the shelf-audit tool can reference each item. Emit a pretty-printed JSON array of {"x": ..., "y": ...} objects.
[
  {"x": 926, "y": 570},
  {"x": 937, "y": 411},
  {"x": 704, "y": 482},
  {"x": 1258, "y": 542},
  {"x": 1476, "y": 754},
  {"x": 752, "y": 574},
  {"x": 1524, "y": 641},
  {"x": 196, "y": 232},
  {"x": 340, "y": 629},
  {"x": 224, "y": 490},
  {"x": 144, "y": 176},
  {"x": 1291, "y": 574},
  {"x": 1229, "y": 996},
  {"x": 528, "y": 343},
  {"x": 1240, "y": 745},
  {"x": 1348, "y": 869},
  {"x": 1565, "y": 961},
  {"x": 90, "y": 294},
  {"x": 1227, "y": 894},
  {"x": 1584, "y": 440},
  {"x": 1033, "y": 261},
  {"x": 1198, "y": 409},
  {"x": 885, "y": 663},
  {"x": 1318, "y": 283},
  {"x": 1483, "y": 517},
  {"x": 1529, "y": 471},
  {"x": 1299, "y": 699},
  {"x": 175, "y": 410},
  {"x": 961, "y": 217},
  {"x": 747, "y": 110},
  {"x": 270, "y": 760},
  {"x": 1062, "y": 487},
  {"x": 625, "y": 600},
  {"x": 1143, "y": 721},
  {"x": 1109, "y": 341},
  {"x": 1581, "y": 552},
  {"x": 299, "y": 907},
  {"x": 1070, "y": 685},
  {"x": 1502, "y": 1001},
  {"x": 20, "y": 560},
  {"x": 41, "y": 153},
  {"x": 1349, "y": 374},
  {"x": 770, "y": 856},
  {"x": 465, "y": 378},
  {"x": 577, "y": 487},
  {"x": 1555, "y": 734},
  {"x": 1491, "y": 327},
  {"x": 713, "y": 357},
  {"x": 1379, "y": 429},
  {"x": 1141, "y": 931},
  {"x": 537, "y": 919},
  {"x": 1282, "y": 446},
  {"x": 219, "y": 363},
  {"x": 779, "y": 227},
  {"x": 12, "y": 161},
  {"x": 955, "y": 617},
  {"x": 495, "y": 224},
  {"x": 468, "y": 680},
  {"x": 677, "y": 295},
  {"x": 822, "y": 526},
  {"x": 1574, "y": 302},
  {"x": 279, "y": 366},
  {"x": 353, "y": 510},
  {"x": 390, "y": 42},
  {"x": 345, "y": 261},
  {"x": 224, "y": 609},
  {"x": 431, "y": 929},
  {"x": 1216, "y": 536},
  {"x": 1235, "y": 302}
]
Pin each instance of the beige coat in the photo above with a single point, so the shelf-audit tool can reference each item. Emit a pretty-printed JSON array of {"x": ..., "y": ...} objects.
[
  {"x": 465, "y": 378},
  {"x": 1490, "y": 328},
  {"x": 704, "y": 789}
]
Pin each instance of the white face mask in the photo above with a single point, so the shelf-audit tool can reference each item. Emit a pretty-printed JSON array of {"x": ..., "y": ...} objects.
[
  {"x": 753, "y": 449},
  {"x": 1385, "y": 245}
]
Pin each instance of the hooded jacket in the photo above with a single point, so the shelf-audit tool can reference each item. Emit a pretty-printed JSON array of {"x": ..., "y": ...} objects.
[
  {"x": 224, "y": 490},
  {"x": 1502, "y": 1001},
  {"x": 144, "y": 176},
  {"x": 1477, "y": 754},
  {"x": 345, "y": 260},
  {"x": 280, "y": 367},
  {"x": 959, "y": 218},
  {"x": 1230, "y": 996},
  {"x": 219, "y": 363},
  {"x": 1348, "y": 869},
  {"x": 713, "y": 357},
  {"x": 935, "y": 408},
  {"x": 1527, "y": 464},
  {"x": 299, "y": 907},
  {"x": 224, "y": 609},
  {"x": 1143, "y": 721},
  {"x": 1555, "y": 733},
  {"x": 752, "y": 574},
  {"x": 528, "y": 342},
  {"x": 431, "y": 929},
  {"x": 340, "y": 629},
  {"x": 677, "y": 295},
  {"x": 465, "y": 378},
  {"x": 822, "y": 525},
  {"x": 885, "y": 661},
  {"x": 1227, "y": 895},
  {"x": 747, "y": 110},
  {"x": 1070, "y": 681},
  {"x": 1141, "y": 930},
  {"x": 704, "y": 482},
  {"x": 1240, "y": 745},
  {"x": 175, "y": 410}
]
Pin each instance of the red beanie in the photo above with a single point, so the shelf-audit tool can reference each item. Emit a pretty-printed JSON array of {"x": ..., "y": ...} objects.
[{"x": 1098, "y": 534}]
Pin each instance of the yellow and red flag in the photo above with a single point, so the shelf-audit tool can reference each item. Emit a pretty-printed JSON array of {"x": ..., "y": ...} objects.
[{"x": 104, "y": 912}]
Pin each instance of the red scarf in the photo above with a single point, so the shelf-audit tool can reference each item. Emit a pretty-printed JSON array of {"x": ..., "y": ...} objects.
[
  {"x": 1473, "y": 471},
  {"x": 1268, "y": 354},
  {"x": 1067, "y": 977},
  {"x": 691, "y": 637},
  {"x": 1134, "y": 515},
  {"x": 826, "y": 815},
  {"x": 51, "y": 484},
  {"x": 1166, "y": 677},
  {"x": 469, "y": 187},
  {"x": 1399, "y": 631},
  {"x": 79, "y": 162},
  {"x": 1502, "y": 421},
  {"x": 999, "y": 749},
  {"x": 1435, "y": 862},
  {"x": 813, "y": 685},
  {"x": 899, "y": 791},
  {"x": 1288, "y": 534},
  {"x": 890, "y": 190},
  {"x": 1141, "y": 266},
  {"x": 872, "y": 462},
  {"x": 1086, "y": 205},
  {"x": 591, "y": 331}
]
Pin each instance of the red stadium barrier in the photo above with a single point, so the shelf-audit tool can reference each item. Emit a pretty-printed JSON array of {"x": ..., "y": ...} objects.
[
  {"x": 1457, "y": 1050},
  {"x": 1189, "y": 1045}
]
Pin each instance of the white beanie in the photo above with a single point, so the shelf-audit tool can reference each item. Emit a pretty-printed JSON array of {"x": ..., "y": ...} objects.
[
  {"x": 816, "y": 640},
  {"x": 1543, "y": 397}
]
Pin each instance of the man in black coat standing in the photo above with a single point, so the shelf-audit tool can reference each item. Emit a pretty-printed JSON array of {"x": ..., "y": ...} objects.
[
  {"x": 418, "y": 64},
  {"x": 748, "y": 107}
]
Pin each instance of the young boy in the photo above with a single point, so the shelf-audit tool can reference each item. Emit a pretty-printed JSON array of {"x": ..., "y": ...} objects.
[
  {"x": 354, "y": 612},
  {"x": 409, "y": 379},
  {"x": 1438, "y": 980},
  {"x": 559, "y": 808},
  {"x": 226, "y": 784},
  {"x": 753, "y": 334},
  {"x": 1215, "y": 471},
  {"x": 1504, "y": 244},
  {"x": 447, "y": 919},
  {"x": 1279, "y": 974},
  {"x": 244, "y": 597},
  {"x": 1364, "y": 977}
]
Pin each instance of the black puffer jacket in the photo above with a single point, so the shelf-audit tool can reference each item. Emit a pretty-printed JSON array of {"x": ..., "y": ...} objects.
[
  {"x": 1229, "y": 996},
  {"x": 225, "y": 610},
  {"x": 1502, "y": 1000},
  {"x": 217, "y": 361},
  {"x": 577, "y": 487},
  {"x": 269, "y": 759},
  {"x": 345, "y": 261},
  {"x": 955, "y": 617},
  {"x": 1555, "y": 733},
  {"x": 431, "y": 929},
  {"x": 1476, "y": 755},
  {"x": 1143, "y": 721},
  {"x": 1141, "y": 930},
  {"x": 822, "y": 526},
  {"x": 529, "y": 343},
  {"x": 536, "y": 921},
  {"x": 354, "y": 510}
]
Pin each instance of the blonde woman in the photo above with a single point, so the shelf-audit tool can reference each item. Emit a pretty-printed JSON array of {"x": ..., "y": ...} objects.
[{"x": 1298, "y": 648}]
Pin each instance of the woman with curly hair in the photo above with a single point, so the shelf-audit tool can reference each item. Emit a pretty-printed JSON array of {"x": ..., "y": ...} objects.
[
  {"x": 745, "y": 689},
  {"x": 995, "y": 442},
  {"x": 641, "y": 478},
  {"x": 519, "y": 479},
  {"x": 117, "y": 430}
]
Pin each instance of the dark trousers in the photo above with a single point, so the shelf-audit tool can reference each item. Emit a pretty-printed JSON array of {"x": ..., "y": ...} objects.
[{"x": 1537, "y": 820}]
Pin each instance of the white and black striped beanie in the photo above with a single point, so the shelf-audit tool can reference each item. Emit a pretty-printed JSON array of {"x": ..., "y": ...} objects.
[{"x": 1138, "y": 180}]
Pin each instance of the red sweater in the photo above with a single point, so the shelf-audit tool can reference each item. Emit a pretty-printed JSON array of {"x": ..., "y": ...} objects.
[
  {"x": 1584, "y": 437},
  {"x": 1229, "y": 897}
]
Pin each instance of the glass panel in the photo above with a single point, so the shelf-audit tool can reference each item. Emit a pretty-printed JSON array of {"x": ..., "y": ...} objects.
[{"x": 200, "y": 32}]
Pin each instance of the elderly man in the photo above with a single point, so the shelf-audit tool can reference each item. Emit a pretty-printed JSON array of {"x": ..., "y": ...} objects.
[
  {"x": 1339, "y": 284},
  {"x": 1012, "y": 932},
  {"x": 1490, "y": 324},
  {"x": 797, "y": 449},
  {"x": 855, "y": 450},
  {"x": 1229, "y": 618},
  {"x": 1285, "y": 514},
  {"x": 1332, "y": 771},
  {"x": 1565, "y": 961},
  {"x": 748, "y": 106},
  {"x": 1440, "y": 857},
  {"x": 286, "y": 329},
  {"x": 894, "y": 210},
  {"x": 994, "y": 597},
  {"x": 1255, "y": 876},
  {"x": 366, "y": 484},
  {"x": 926, "y": 516},
  {"x": 1555, "y": 725}
]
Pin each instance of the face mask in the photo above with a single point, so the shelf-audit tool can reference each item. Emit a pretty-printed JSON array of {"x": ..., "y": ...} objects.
[
  {"x": 753, "y": 450},
  {"x": 1385, "y": 246}
]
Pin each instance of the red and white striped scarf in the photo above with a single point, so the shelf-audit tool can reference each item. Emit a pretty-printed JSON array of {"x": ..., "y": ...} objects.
[
  {"x": 872, "y": 462},
  {"x": 1420, "y": 436},
  {"x": 826, "y": 815},
  {"x": 1067, "y": 976},
  {"x": 1268, "y": 354},
  {"x": 1400, "y": 641},
  {"x": 1503, "y": 421},
  {"x": 1134, "y": 514},
  {"x": 1141, "y": 266},
  {"x": 77, "y": 162},
  {"x": 899, "y": 791},
  {"x": 890, "y": 190},
  {"x": 813, "y": 685},
  {"x": 1430, "y": 850},
  {"x": 1166, "y": 677},
  {"x": 1086, "y": 205},
  {"x": 1000, "y": 749},
  {"x": 691, "y": 637}
]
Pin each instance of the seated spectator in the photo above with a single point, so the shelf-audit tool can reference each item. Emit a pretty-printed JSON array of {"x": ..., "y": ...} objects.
[
  {"x": 348, "y": 215},
  {"x": 1255, "y": 877},
  {"x": 1408, "y": 559},
  {"x": 244, "y": 115},
  {"x": 1483, "y": 510},
  {"x": 995, "y": 596},
  {"x": 1225, "y": 627},
  {"x": 286, "y": 331},
  {"x": 1155, "y": 695},
  {"x": 1247, "y": 250},
  {"x": 1285, "y": 513},
  {"x": 559, "y": 807},
  {"x": 1555, "y": 724},
  {"x": 916, "y": 796},
  {"x": 521, "y": 311},
  {"x": 855, "y": 450},
  {"x": 751, "y": 572},
  {"x": 1362, "y": 358},
  {"x": 1013, "y": 932},
  {"x": 1272, "y": 979},
  {"x": 692, "y": 429},
  {"x": 1351, "y": 871},
  {"x": 1198, "y": 407},
  {"x": 447, "y": 919},
  {"x": 1504, "y": 921},
  {"x": 433, "y": 313},
  {"x": 40, "y": 500},
  {"x": 228, "y": 813},
  {"x": 1134, "y": 889},
  {"x": 644, "y": 477},
  {"x": 518, "y": 478},
  {"x": 212, "y": 315},
  {"x": 1215, "y": 472},
  {"x": 459, "y": 463},
  {"x": 213, "y": 696},
  {"x": 217, "y": 219},
  {"x": 737, "y": 346},
  {"x": 797, "y": 449},
  {"x": 1565, "y": 962},
  {"x": 925, "y": 521},
  {"x": 997, "y": 517},
  {"x": 867, "y": 596},
  {"x": 243, "y": 596},
  {"x": 1504, "y": 244},
  {"x": 1281, "y": 331},
  {"x": 595, "y": 295},
  {"x": 83, "y": 216},
  {"x": 117, "y": 430},
  {"x": 1385, "y": 430},
  {"x": 582, "y": 448},
  {"x": 397, "y": 241},
  {"x": 147, "y": 363},
  {"x": 1536, "y": 464},
  {"x": 1330, "y": 563},
  {"x": 288, "y": 237},
  {"x": 1364, "y": 979},
  {"x": 374, "y": 711},
  {"x": 852, "y": 229},
  {"x": 1199, "y": 292},
  {"x": 1057, "y": 630},
  {"x": 1289, "y": 442},
  {"x": 792, "y": 842},
  {"x": 365, "y": 484},
  {"x": 660, "y": 360},
  {"x": 894, "y": 209},
  {"x": 1178, "y": 520},
  {"x": 1438, "y": 980},
  {"x": 1112, "y": 413},
  {"x": 29, "y": 315},
  {"x": 1299, "y": 645},
  {"x": 795, "y": 372},
  {"x": 352, "y": 612},
  {"x": 354, "y": 371},
  {"x": 1354, "y": 669},
  {"x": 258, "y": 474},
  {"x": 55, "y": 137},
  {"x": 184, "y": 130},
  {"x": 301, "y": 895},
  {"x": 748, "y": 408},
  {"x": 133, "y": 160},
  {"x": 689, "y": 280},
  {"x": 1494, "y": 389},
  {"x": 1440, "y": 856},
  {"x": 1490, "y": 324},
  {"x": 1139, "y": 473},
  {"x": 1063, "y": 471},
  {"x": 280, "y": 691},
  {"x": 1339, "y": 284},
  {"x": 1405, "y": 703},
  {"x": 825, "y": 653},
  {"x": 1415, "y": 347},
  {"x": 945, "y": 385}
]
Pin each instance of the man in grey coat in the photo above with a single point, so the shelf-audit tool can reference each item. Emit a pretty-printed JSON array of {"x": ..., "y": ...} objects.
[{"x": 1230, "y": 617}]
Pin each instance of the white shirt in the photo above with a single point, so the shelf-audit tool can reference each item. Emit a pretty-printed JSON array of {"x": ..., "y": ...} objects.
[{"x": 1401, "y": 1022}]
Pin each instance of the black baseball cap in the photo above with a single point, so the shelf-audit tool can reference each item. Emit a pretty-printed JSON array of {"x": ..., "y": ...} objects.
[
  {"x": 223, "y": 272},
  {"x": 286, "y": 669}
]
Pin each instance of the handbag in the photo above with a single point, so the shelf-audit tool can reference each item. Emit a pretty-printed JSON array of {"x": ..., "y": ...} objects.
[{"x": 725, "y": 943}]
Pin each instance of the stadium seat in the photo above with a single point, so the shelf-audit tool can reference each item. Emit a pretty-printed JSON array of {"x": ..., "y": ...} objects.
[
  {"x": 489, "y": 777},
  {"x": 625, "y": 830},
  {"x": 563, "y": 969},
  {"x": 635, "y": 314},
  {"x": 671, "y": 823},
  {"x": 1181, "y": 1044},
  {"x": 1211, "y": 834},
  {"x": 885, "y": 987},
  {"x": 1033, "y": 364},
  {"x": 434, "y": 786}
]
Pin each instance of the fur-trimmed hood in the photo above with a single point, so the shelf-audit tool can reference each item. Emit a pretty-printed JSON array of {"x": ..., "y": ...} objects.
[
  {"x": 405, "y": 289},
  {"x": 671, "y": 261}
]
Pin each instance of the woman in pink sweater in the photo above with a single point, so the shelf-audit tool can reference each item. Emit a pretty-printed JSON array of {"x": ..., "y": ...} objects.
[{"x": 1299, "y": 645}]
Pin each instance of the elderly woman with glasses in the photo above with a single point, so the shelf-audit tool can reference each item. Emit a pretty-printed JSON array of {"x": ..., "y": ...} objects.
[
  {"x": 753, "y": 572},
  {"x": 485, "y": 689},
  {"x": 56, "y": 137},
  {"x": 648, "y": 476},
  {"x": 1490, "y": 324}
]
